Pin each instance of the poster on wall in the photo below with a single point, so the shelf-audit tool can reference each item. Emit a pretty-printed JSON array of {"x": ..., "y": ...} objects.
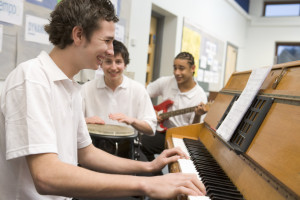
[
  {"x": 11, "y": 11},
  {"x": 191, "y": 41},
  {"x": 116, "y": 4},
  {"x": 120, "y": 32},
  {"x": 34, "y": 30},
  {"x": 32, "y": 38},
  {"x": 208, "y": 52}
]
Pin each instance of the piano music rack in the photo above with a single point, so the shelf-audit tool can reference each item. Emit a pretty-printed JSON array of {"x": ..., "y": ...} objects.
[{"x": 246, "y": 130}]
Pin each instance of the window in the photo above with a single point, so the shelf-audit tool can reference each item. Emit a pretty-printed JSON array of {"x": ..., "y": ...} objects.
[
  {"x": 286, "y": 52},
  {"x": 281, "y": 8}
]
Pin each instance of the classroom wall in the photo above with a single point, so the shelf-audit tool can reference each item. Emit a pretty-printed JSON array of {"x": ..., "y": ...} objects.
[
  {"x": 262, "y": 34},
  {"x": 218, "y": 17},
  {"x": 254, "y": 35}
]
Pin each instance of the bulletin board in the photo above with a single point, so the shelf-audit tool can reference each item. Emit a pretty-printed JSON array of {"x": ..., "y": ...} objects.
[
  {"x": 23, "y": 37},
  {"x": 208, "y": 52},
  {"x": 22, "y": 34}
]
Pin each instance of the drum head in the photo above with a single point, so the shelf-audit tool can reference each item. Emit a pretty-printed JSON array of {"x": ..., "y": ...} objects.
[{"x": 110, "y": 129}]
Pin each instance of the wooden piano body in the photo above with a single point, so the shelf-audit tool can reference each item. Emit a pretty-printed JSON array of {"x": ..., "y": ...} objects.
[{"x": 270, "y": 167}]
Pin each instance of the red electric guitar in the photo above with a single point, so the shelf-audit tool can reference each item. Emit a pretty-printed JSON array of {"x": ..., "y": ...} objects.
[{"x": 162, "y": 112}]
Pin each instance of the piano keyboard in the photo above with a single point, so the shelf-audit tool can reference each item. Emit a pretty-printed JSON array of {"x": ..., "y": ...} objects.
[
  {"x": 218, "y": 185},
  {"x": 187, "y": 166}
]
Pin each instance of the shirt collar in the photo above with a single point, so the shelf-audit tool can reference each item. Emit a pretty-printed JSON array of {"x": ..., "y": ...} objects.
[
  {"x": 53, "y": 71},
  {"x": 101, "y": 83},
  {"x": 189, "y": 94}
]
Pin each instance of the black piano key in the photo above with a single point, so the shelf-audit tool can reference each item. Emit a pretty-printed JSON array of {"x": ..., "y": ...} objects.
[
  {"x": 209, "y": 180},
  {"x": 208, "y": 169},
  {"x": 215, "y": 196},
  {"x": 218, "y": 184},
  {"x": 224, "y": 189}
]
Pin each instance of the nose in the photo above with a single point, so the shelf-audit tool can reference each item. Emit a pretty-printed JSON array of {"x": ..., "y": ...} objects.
[
  {"x": 176, "y": 71},
  {"x": 113, "y": 65},
  {"x": 110, "y": 49}
]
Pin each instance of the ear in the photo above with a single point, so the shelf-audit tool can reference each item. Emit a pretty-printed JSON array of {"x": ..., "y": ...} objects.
[
  {"x": 77, "y": 35},
  {"x": 193, "y": 67}
]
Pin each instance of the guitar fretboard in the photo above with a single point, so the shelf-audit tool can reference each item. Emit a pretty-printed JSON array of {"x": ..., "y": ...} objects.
[{"x": 177, "y": 112}]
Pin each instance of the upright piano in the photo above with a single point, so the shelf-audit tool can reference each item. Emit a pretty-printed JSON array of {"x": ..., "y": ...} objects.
[{"x": 262, "y": 158}]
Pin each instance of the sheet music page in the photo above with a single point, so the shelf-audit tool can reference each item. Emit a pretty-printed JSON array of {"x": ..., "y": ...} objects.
[{"x": 239, "y": 108}]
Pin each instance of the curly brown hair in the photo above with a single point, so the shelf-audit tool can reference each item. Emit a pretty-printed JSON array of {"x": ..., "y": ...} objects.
[
  {"x": 120, "y": 48},
  {"x": 84, "y": 13}
]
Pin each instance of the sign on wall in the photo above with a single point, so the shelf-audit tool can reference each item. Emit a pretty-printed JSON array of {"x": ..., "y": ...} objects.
[
  {"x": 11, "y": 11},
  {"x": 34, "y": 30}
]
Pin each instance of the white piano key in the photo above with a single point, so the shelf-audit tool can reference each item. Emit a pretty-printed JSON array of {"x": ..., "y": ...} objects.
[
  {"x": 198, "y": 198},
  {"x": 187, "y": 166},
  {"x": 178, "y": 142}
]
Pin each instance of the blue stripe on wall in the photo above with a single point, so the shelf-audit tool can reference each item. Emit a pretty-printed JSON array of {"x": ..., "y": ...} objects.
[{"x": 244, "y": 4}]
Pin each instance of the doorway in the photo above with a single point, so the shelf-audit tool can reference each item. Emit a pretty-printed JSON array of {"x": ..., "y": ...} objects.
[
  {"x": 151, "y": 49},
  {"x": 231, "y": 59},
  {"x": 154, "y": 47}
]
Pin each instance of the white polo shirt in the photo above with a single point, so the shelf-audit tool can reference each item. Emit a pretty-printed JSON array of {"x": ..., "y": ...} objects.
[
  {"x": 167, "y": 88},
  {"x": 40, "y": 113},
  {"x": 129, "y": 98}
]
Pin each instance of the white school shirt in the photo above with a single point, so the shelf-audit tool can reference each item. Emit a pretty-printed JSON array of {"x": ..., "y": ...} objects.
[
  {"x": 129, "y": 98},
  {"x": 40, "y": 113},
  {"x": 167, "y": 88}
]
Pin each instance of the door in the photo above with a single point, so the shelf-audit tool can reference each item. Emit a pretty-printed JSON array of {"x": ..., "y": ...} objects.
[
  {"x": 231, "y": 58},
  {"x": 151, "y": 50}
]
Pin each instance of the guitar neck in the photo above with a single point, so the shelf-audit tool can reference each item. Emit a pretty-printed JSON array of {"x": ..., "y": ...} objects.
[{"x": 177, "y": 112}]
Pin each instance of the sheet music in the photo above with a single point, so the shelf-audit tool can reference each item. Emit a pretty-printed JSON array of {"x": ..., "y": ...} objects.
[{"x": 239, "y": 108}]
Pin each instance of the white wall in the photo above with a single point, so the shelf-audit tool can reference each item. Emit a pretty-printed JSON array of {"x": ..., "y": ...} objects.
[
  {"x": 138, "y": 31},
  {"x": 222, "y": 19},
  {"x": 254, "y": 35},
  {"x": 262, "y": 34}
]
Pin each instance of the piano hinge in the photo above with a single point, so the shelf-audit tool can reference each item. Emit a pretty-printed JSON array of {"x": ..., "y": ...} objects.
[
  {"x": 279, "y": 77},
  {"x": 278, "y": 186}
]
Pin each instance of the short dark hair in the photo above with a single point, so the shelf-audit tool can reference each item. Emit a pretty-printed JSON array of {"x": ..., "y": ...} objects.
[
  {"x": 120, "y": 48},
  {"x": 84, "y": 13},
  {"x": 186, "y": 56}
]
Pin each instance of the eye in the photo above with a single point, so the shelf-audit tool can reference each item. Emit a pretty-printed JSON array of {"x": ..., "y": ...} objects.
[
  {"x": 119, "y": 61},
  {"x": 107, "y": 62},
  {"x": 108, "y": 42}
]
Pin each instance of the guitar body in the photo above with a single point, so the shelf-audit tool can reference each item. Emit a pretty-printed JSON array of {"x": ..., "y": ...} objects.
[
  {"x": 162, "y": 108},
  {"x": 164, "y": 105}
]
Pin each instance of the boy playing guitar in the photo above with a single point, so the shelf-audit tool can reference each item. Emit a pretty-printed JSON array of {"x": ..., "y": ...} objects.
[{"x": 184, "y": 92}]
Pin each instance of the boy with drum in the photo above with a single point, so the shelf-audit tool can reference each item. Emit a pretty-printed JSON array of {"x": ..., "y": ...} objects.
[{"x": 113, "y": 100}]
